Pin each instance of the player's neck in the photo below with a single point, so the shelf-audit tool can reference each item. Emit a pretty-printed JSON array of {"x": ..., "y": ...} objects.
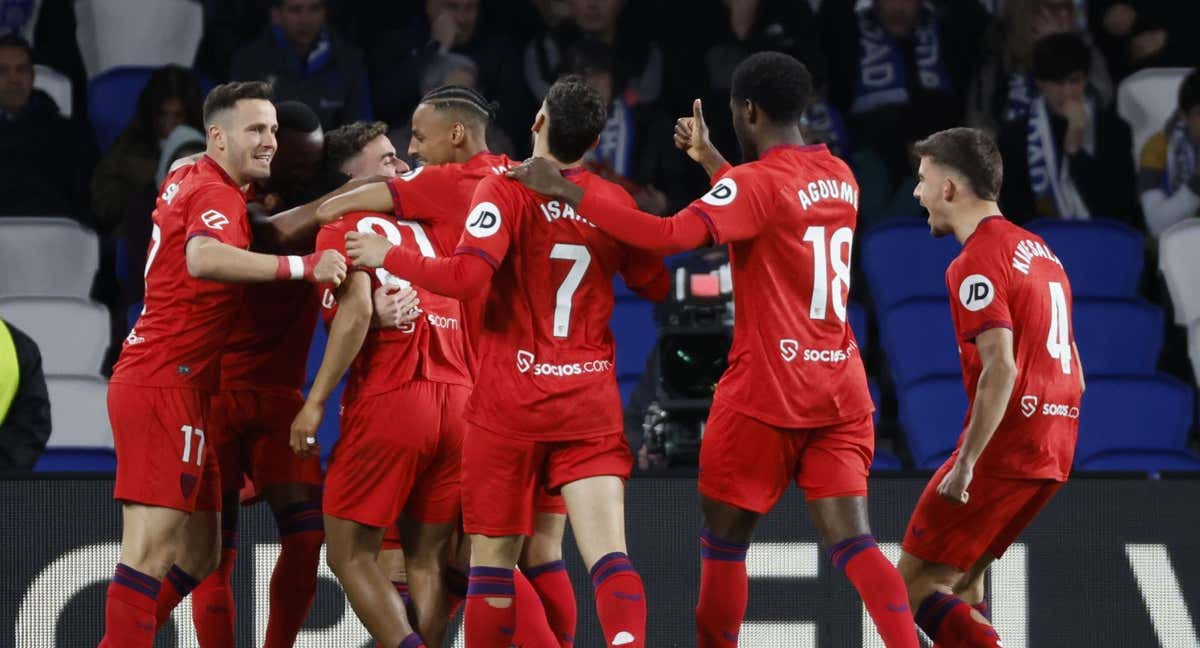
[
  {"x": 968, "y": 218},
  {"x": 788, "y": 136},
  {"x": 223, "y": 162}
]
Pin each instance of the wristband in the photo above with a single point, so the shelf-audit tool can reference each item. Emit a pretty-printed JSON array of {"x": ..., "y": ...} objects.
[{"x": 291, "y": 267}]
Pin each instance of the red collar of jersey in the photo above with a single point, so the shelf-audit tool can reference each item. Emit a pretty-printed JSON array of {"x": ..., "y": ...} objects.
[
  {"x": 477, "y": 159},
  {"x": 989, "y": 218},
  {"x": 208, "y": 161},
  {"x": 804, "y": 148}
]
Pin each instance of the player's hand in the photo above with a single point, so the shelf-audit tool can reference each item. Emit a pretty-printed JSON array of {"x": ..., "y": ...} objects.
[
  {"x": 330, "y": 268},
  {"x": 541, "y": 176},
  {"x": 691, "y": 134},
  {"x": 954, "y": 485},
  {"x": 367, "y": 250},
  {"x": 304, "y": 430},
  {"x": 395, "y": 307}
]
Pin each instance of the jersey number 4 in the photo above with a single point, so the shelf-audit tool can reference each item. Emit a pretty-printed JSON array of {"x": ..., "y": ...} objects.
[
  {"x": 838, "y": 257},
  {"x": 1058, "y": 341}
]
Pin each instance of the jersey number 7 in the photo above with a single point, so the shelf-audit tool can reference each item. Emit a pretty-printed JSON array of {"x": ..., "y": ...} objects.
[{"x": 581, "y": 259}]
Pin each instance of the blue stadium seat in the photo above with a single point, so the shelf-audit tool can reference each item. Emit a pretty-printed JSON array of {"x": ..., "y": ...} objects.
[
  {"x": 932, "y": 413},
  {"x": 112, "y": 101},
  {"x": 620, "y": 290},
  {"x": 856, "y": 315},
  {"x": 885, "y": 460},
  {"x": 1136, "y": 423},
  {"x": 1118, "y": 336},
  {"x": 634, "y": 333},
  {"x": 327, "y": 433},
  {"x": 134, "y": 312},
  {"x": 77, "y": 460},
  {"x": 918, "y": 338},
  {"x": 902, "y": 260},
  {"x": 627, "y": 385},
  {"x": 1103, "y": 258},
  {"x": 876, "y": 397}
]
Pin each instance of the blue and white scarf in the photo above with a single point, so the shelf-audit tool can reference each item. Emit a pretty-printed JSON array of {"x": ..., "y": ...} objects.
[
  {"x": 1049, "y": 167},
  {"x": 882, "y": 75},
  {"x": 317, "y": 59},
  {"x": 616, "y": 143},
  {"x": 1182, "y": 156},
  {"x": 1021, "y": 93}
]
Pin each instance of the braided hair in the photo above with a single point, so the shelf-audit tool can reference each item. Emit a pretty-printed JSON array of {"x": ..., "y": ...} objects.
[{"x": 469, "y": 104}]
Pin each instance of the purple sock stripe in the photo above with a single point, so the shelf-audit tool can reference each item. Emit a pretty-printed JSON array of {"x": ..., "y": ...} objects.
[
  {"x": 490, "y": 581},
  {"x": 491, "y": 590},
  {"x": 548, "y": 568},
  {"x": 608, "y": 558},
  {"x": 726, "y": 556},
  {"x": 933, "y": 611},
  {"x": 229, "y": 539},
  {"x": 412, "y": 641},
  {"x": 610, "y": 571},
  {"x": 301, "y": 521},
  {"x": 844, "y": 551},
  {"x": 137, "y": 581},
  {"x": 490, "y": 572},
  {"x": 181, "y": 580},
  {"x": 707, "y": 537}
]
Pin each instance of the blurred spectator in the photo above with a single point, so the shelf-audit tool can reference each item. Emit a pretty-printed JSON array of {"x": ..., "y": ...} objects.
[
  {"x": 1004, "y": 87},
  {"x": 1169, "y": 169},
  {"x": 228, "y": 25},
  {"x": 1068, "y": 158},
  {"x": 24, "y": 400},
  {"x": 403, "y": 58},
  {"x": 124, "y": 187},
  {"x": 1136, "y": 34},
  {"x": 635, "y": 149},
  {"x": 182, "y": 142},
  {"x": 296, "y": 177},
  {"x": 638, "y": 62},
  {"x": 456, "y": 70},
  {"x": 306, "y": 61},
  {"x": 49, "y": 27},
  {"x": 362, "y": 149},
  {"x": 47, "y": 159},
  {"x": 891, "y": 61}
]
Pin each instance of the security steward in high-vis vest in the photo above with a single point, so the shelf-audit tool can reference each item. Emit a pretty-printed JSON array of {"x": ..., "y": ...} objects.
[{"x": 24, "y": 401}]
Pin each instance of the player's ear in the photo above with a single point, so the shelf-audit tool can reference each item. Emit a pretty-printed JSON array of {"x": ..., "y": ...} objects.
[
  {"x": 216, "y": 136},
  {"x": 538, "y": 122},
  {"x": 751, "y": 111},
  {"x": 949, "y": 188},
  {"x": 458, "y": 133}
]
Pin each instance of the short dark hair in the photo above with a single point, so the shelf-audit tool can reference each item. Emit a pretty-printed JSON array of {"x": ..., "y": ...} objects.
[
  {"x": 777, "y": 83},
  {"x": 345, "y": 142},
  {"x": 1189, "y": 91},
  {"x": 17, "y": 41},
  {"x": 467, "y": 103},
  {"x": 969, "y": 152},
  {"x": 226, "y": 95},
  {"x": 577, "y": 116},
  {"x": 296, "y": 117},
  {"x": 1058, "y": 56}
]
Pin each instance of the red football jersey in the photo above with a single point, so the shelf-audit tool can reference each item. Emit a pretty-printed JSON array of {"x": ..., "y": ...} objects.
[
  {"x": 440, "y": 196},
  {"x": 546, "y": 353},
  {"x": 430, "y": 348},
  {"x": 789, "y": 218},
  {"x": 268, "y": 347},
  {"x": 1007, "y": 277},
  {"x": 178, "y": 339}
]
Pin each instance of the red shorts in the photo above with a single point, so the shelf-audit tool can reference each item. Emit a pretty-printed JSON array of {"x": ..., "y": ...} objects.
[
  {"x": 749, "y": 464},
  {"x": 991, "y": 520},
  {"x": 502, "y": 477},
  {"x": 163, "y": 457},
  {"x": 250, "y": 431},
  {"x": 399, "y": 453},
  {"x": 543, "y": 502}
]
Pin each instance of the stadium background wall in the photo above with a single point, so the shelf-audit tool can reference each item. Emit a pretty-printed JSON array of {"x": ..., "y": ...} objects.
[{"x": 1110, "y": 562}]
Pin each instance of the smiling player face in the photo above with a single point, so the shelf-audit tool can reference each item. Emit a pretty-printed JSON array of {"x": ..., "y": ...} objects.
[{"x": 249, "y": 139}]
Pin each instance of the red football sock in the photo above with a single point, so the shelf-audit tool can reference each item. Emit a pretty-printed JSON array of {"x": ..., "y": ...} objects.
[
  {"x": 176, "y": 586},
  {"x": 532, "y": 627},
  {"x": 129, "y": 609},
  {"x": 294, "y": 581},
  {"x": 553, "y": 587},
  {"x": 982, "y": 608},
  {"x": 487, "y": 626},
  {"x": 213, "y": 610},
  {"x": 724, "y": 591},
  {"x": 620, "y": 601},
  {"x": 456, "y": 590},
  {"x": 952, "y": 623},
  {"x": 881, "y": 588}
]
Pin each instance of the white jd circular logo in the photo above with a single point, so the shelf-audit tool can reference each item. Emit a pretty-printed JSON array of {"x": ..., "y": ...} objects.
[
  {"x": 976, "y": 292},
  {"x": 484, "y": 220},
  {"x": 408, "y": 176},
  {"x": 721, "y": 194}
]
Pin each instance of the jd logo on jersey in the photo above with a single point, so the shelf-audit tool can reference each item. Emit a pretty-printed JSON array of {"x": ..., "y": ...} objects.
[
  {"x": 484, "y": 220},
  {"x": 1029, "y": 406},
  {"x": 721, "y": 194},
  {"x": 976, "y": 292},
  {"x": 214, "y": 219},
  {"x": 788, "y": 349}
]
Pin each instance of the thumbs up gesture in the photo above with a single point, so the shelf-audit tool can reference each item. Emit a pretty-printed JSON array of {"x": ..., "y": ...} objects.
[{"x": 691, "y": 134}]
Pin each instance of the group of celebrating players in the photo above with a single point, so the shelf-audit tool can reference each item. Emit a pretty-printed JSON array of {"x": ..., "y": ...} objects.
[{"x": 468, "y": 300}]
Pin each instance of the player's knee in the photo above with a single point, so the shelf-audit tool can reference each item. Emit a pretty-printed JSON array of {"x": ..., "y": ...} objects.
[{"x": 540, "y": 550}]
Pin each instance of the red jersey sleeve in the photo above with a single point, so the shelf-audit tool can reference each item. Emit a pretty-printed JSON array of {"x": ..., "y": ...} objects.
[
  {"x": 978, "y": 289},
  {"x": 735, "y": 209},
  {"x": 490, "y": 221},
  {"x": 219, "y": 211},
  {"x": 420, "y": 195},
  {"x": 641, "y": 269}
]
